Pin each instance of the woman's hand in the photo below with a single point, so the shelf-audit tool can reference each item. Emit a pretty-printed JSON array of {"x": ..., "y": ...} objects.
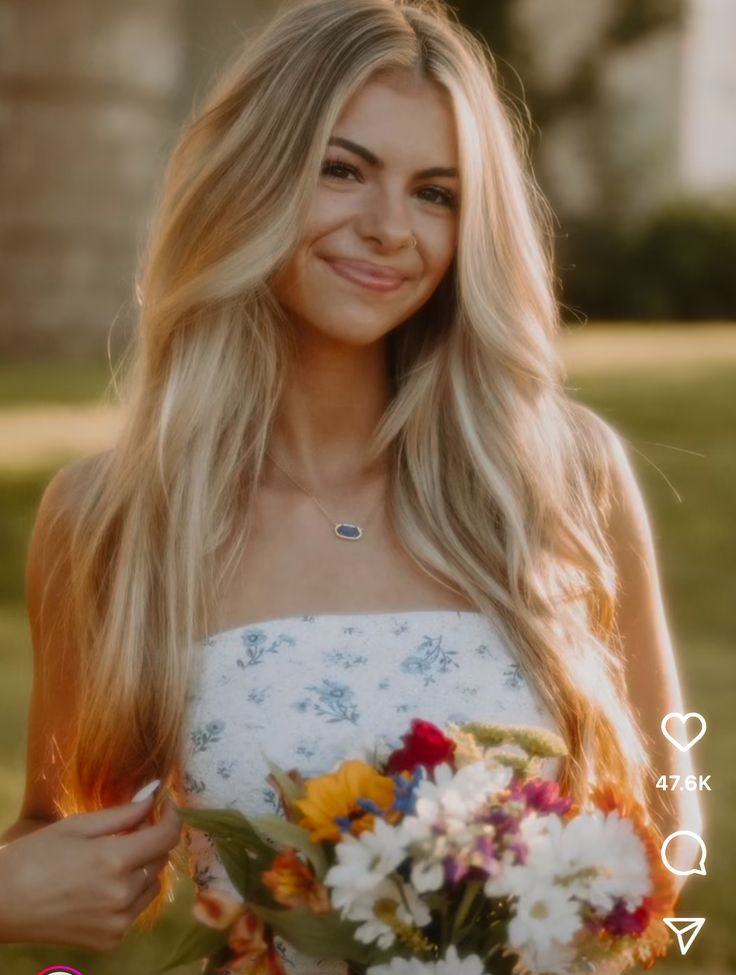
[{"x": 76, "y": 883}]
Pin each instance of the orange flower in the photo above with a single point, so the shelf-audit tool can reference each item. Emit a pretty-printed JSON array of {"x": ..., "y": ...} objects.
[
  {"x": 253, "y": 950},
  {"x": 293, "y": 884},
  {"x": 653, "y": 945},
  {"x": 655, "y": 940},
  {"x": 607, "y": 795},
  {"x": 216, "y": 909},
  {"x": 333, "y": 801}
]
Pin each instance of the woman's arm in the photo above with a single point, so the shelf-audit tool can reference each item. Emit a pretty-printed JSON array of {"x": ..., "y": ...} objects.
[{"x": 650, "y": 663}]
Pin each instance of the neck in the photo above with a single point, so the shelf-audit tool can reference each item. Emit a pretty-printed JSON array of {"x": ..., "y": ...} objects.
[{"x": 333, "y": 399}]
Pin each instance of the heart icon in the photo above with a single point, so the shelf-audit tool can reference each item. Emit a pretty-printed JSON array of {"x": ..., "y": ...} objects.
[{"x": 683, "y": 719}]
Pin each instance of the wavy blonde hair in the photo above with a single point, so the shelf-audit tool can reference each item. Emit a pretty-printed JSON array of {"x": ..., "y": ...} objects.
[{"x": 499, "y": 482}]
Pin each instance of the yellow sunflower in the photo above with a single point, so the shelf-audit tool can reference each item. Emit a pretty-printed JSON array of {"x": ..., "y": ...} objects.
[{"x": 345, "y": 799}]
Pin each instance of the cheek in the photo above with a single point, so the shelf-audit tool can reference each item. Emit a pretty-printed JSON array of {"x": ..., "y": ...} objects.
[
  {"x": 437, "y": 258},
  {"x": 329, "y": 212}
]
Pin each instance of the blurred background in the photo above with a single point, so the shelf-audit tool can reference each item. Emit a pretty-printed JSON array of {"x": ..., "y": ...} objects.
[{"x": 633, "y": 105}]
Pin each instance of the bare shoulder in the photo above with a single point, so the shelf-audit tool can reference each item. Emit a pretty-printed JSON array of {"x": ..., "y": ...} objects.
[
  {"x": 64, "y": 491},
  {"x": 611, "y": 468},
  {"x": 600, "y": 438}
]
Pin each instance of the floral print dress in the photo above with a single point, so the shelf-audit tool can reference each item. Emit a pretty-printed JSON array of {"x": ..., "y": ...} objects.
[{"x": 310, "y": 691}]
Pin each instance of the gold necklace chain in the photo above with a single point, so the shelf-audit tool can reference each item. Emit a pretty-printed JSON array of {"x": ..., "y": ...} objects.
[{"x": 348, "y": 531}]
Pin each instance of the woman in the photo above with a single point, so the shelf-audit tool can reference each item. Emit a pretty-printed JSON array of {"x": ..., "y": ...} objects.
[{"x": 347, "y": 316}]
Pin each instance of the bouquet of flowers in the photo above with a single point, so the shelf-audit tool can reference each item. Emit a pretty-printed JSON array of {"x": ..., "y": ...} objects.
[{"x": 448, "y": 856}]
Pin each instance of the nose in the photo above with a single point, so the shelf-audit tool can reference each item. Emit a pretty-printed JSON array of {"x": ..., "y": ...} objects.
[{"x": 387, "y": 220}]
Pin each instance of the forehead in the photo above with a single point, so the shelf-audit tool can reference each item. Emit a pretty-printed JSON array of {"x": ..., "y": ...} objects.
[{"x": 398, "y": 116}]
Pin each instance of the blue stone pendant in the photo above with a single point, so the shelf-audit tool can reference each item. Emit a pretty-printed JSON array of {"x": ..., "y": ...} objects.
[{"x": 350, "y": 532}]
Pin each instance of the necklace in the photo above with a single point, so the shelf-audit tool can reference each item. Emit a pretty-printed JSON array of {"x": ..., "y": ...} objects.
[{"x": 343, "y": 529}]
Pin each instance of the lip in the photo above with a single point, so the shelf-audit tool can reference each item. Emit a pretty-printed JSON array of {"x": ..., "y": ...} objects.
[{"x": 367, "y": 275}]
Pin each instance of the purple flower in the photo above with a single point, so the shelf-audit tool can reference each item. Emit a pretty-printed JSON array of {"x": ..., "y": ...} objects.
[
  {"x": 485, "y": 855},
  {"x": 455, "y": 869},
  {"x": 520, "y": 851},
  {"x": 503, "y": 820},
  {"x": 542, "y": 795}
]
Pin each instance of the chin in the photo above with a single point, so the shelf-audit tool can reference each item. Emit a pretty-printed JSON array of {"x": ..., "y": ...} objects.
[{"x": 358, "y": 337}]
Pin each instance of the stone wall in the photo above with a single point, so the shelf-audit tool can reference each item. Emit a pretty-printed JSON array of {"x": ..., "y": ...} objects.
[{"x": 92, "y": 93}]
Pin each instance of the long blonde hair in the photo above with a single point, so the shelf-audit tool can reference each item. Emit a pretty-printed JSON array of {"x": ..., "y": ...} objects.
[{"x": 498, "y": 480}]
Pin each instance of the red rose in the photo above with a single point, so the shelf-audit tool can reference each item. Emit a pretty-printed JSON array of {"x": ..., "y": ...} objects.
[{"x": 424, "y": 745}]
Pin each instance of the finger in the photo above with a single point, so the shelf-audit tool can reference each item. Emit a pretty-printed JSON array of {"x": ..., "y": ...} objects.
[
  {"x": 104, "y": 822},
  {"x": 145, "y": 876},
  {"x": 149, "y": 893},
  {"x": 149, "y": 842},
  {"x": 149, "y": 873},
  {"x": 156, "y": 866},
  {"x": 148, "y": 790}
]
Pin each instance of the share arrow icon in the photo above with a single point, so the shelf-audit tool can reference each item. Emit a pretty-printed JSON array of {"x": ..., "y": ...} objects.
[{"x": 686, "y": 929}]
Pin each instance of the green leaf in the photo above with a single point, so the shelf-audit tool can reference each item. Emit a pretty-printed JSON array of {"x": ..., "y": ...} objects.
[
  {"x": 494, "y": 938},
  {"x": 217, "y": 961},
  {"x": 469, "y": 894},
  {"x": 243, "y": 869},
  {"x": 228, "y": 824},
  {"x": 318, "y": 937},
  {"x": 288, "y": 834},
  {"x": 197, "y": 943}
]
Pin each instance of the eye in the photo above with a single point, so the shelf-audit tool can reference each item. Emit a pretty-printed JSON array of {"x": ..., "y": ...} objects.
[
  {"x": 443, "y": 197},
  {"x": 446, "y": 197},
  {"x": 332, "y": 168}
]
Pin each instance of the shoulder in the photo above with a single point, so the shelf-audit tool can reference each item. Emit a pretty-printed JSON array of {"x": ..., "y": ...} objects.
[
  {"x": 598, "y": 441},
  {"x": 64, "y": 493},
  {"x": 625, "y": 519},
  {"x": 607, "y": 457}
]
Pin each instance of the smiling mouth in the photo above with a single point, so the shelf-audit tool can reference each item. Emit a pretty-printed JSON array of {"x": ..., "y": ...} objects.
[{"x": 373, "y": 281}]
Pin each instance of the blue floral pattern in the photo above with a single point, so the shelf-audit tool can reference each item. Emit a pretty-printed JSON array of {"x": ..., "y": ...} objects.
[
  {"x": 430, "y": 660},
  {"x": 334, "y": 701},
  {"x": 308, "y": 691}
]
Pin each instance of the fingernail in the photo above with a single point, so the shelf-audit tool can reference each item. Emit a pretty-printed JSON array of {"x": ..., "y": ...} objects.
[{"x": 146, "y": 791}]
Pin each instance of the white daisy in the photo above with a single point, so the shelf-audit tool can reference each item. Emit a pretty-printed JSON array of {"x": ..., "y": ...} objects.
[
  {"x": 610, "y": 844},
  {"x": 541, "y": 835},
  {"x": 374, "y": 929},
  {"x": 427, "y": 875},
  {"x": 453, "y": 797},
  {"x": 364, "y": 861},
  {"x": 449, "y": 965},
  {"x": 543, "y": 916},
  {"x": 557, "y": 959}
]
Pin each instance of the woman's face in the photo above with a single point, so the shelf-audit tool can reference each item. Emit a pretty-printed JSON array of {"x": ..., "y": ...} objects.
[{"x": 372, "y": 198}]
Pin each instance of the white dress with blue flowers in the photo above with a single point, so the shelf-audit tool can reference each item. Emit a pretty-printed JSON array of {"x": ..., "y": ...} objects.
[{"x": 309, "y": 691}]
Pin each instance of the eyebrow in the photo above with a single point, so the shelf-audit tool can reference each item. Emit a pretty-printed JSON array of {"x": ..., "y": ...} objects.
[{"x": 373, "y": 159}]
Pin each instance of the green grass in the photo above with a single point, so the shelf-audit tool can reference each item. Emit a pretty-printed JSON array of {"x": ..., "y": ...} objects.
[
  {"x": 683, "y": 429},
  {"x": 28, "y": 384},
  {"x": 681, "y": 426}
]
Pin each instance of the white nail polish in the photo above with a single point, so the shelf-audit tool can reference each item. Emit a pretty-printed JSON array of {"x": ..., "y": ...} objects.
[{"x": 146, "y": 791}]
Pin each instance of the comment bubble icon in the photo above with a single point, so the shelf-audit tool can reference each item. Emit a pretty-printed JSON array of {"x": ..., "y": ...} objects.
[{"x": 700, "y": 868}]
